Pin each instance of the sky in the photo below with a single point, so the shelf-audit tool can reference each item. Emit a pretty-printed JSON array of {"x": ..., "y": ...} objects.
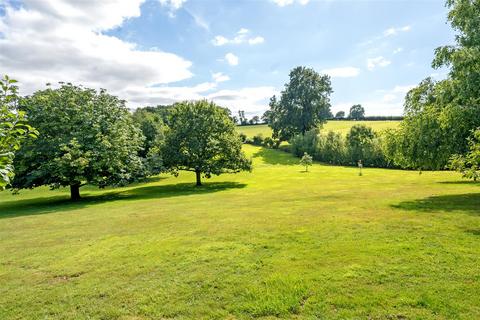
[{"x": 235, "y": 53}]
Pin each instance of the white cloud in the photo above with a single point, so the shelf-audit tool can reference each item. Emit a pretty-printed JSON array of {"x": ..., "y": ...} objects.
[
  {"x": 220, "y": 41},
  {"x": 343, "y": 72},
  {"x": 240, "y": 37},
  {"x": 395, "y": 31},
  {"x": 251, "y": 100},
  {"x": 172, "y": 5},
  {"x": 231, "y": 59},
  {"x": 52, "y": 40},
  {"x": 283, "y": 3},
  {"x": 220, "y": 77},
  {"x": 256, "y": 40},
  {"x": 398, "y": 50},
  {"x": 380, "y": 61}
]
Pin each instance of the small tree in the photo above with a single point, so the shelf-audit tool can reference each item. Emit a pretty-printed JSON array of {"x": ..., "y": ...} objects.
[
  {"x": 469, "y": 165},
  {"x": 357, "y": 112},
  {"x": 306, "y": 161},
  {"x": 202, "y": 139},
  {"x": 86, "y": 137},
  {"x": 340, "y": 115}
]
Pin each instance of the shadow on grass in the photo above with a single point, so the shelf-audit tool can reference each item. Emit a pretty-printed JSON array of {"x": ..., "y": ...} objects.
[
  {"x": 469, "y": 203},
  {"x": 44, "y": 205},
  {"x": 272, "y": 156},
  {"x": 463, "y": 182}
]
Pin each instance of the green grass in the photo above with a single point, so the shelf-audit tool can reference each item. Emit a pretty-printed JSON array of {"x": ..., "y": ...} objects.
[
  {"x": 341, "y": 126},
  {"x": 277, "y": 242}
]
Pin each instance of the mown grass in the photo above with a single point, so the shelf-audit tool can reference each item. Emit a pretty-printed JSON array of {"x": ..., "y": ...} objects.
[
  {"x": 341, "y": 126},
  {"x": 274, "y": 243}
]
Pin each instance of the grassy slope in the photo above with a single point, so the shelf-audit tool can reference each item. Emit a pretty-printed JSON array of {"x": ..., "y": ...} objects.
[
  {"x": 339, "y": 126},
  {"x": 275, "y": 242}
]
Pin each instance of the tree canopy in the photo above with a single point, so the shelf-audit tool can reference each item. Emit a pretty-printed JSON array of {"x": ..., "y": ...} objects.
[
  {"x": 85, "y": 137},
  {"x": 304, "y": 104},
  {"x": 357, "y": 112},
  {"x": 13, "y": 129},
  {"x": 440, "y": 115},
  {"x": 202, "y": 139},
  {"x": 469, "y": 164},
  {"x": 340, "y": 115}
]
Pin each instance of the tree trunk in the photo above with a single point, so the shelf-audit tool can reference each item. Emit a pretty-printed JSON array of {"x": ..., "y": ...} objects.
[
  {"x": 75, "y": 192},
  {"x": 199, "y": 181}
]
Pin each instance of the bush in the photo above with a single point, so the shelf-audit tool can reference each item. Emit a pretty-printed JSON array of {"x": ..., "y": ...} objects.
[
  {"x": 305, "y": 143},
  {"x": 361, "y": 143},
  {"x": 243, "y": 137},
  {"x": 257, "y": 140},
  {"x": 332, "y": 149}
]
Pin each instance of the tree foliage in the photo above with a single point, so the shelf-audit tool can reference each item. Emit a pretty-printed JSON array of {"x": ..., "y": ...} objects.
[
  {"x": 152, "y": 128},
  {"x": 440, "y": 115},
  {"x": 340, "y": 115},
  {"x": 13, "y": 129},
  {"x": 202, "y": 139},
  {"x": 85, "y": 137},
  {"x": 357, "y": 112},
  {"x": 306, "y": 161},
  {"x": 469, "y": 164},
  {"x": 304, "y": 104}
]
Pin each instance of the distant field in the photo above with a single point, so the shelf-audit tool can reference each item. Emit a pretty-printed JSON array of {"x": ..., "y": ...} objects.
[
  {"x": 338, "y": 126},
  {"x": 273, "y": 243}
]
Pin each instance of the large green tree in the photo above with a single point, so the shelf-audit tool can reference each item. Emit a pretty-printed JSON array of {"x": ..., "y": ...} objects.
[
  {"x": 202, "y": 139},
  {"x": 440, "y": 116},
  {"x": 13, "y": 129},
  {"x": 357, "y": 112},
  {"x": 85, "y": 137},
  {"x": 304, "y": 104}
]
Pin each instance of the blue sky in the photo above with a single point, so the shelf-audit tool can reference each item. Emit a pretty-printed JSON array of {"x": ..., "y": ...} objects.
[{"x": 237, "y": 53}]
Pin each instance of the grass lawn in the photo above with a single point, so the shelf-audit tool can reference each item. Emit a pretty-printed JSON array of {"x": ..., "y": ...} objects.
[
  {"x": 277, "y": 242},
  {"x": 341, "y": 126}
]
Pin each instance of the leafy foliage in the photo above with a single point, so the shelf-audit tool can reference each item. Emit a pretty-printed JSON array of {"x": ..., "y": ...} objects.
[
  {"x": 440, "y": 116},
  {"x": 85, "y": 137},
  {"x": 202, "y": 138},
  {"x": 304, "y": 104},
  {"x": 306, "y": 161},
  {"x": 340, "y": 115},
  {"x": 13, "y": 129},
  {"x": 469, "y": 164},
  {"x": 357, "y": 112}
]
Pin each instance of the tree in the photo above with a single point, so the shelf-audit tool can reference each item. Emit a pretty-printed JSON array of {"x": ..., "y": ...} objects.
[
  {"x": 440, "y": 116},
  {"x": 13, "y": 129},
  {"x": 152, "y": 128},
  {"x": 306, "y": 161},
  {"x": 202, "y": 139},
  {"x": 469, "y": 164},
  {"x": 242, "y": 118},
  {"x": 359, "y": 141},
  {"x": 255, "y": 119},
  {"x": 86, "y": 137},
  {"x": 357, "y": 112},
  {"x": 304, "y": 104},
  {"x": 340, "y": 115}
]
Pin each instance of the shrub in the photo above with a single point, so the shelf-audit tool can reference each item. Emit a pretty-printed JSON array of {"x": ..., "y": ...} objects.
[
  {"x": 257, "y": 140},
  {"x": 307, "y": 142},
  {"x": 332, "y": 149},
  {"x": 243, "y": 137}
]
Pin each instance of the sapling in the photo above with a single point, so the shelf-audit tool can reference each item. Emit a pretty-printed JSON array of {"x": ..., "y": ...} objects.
[{"x": 306, "y": 161}]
